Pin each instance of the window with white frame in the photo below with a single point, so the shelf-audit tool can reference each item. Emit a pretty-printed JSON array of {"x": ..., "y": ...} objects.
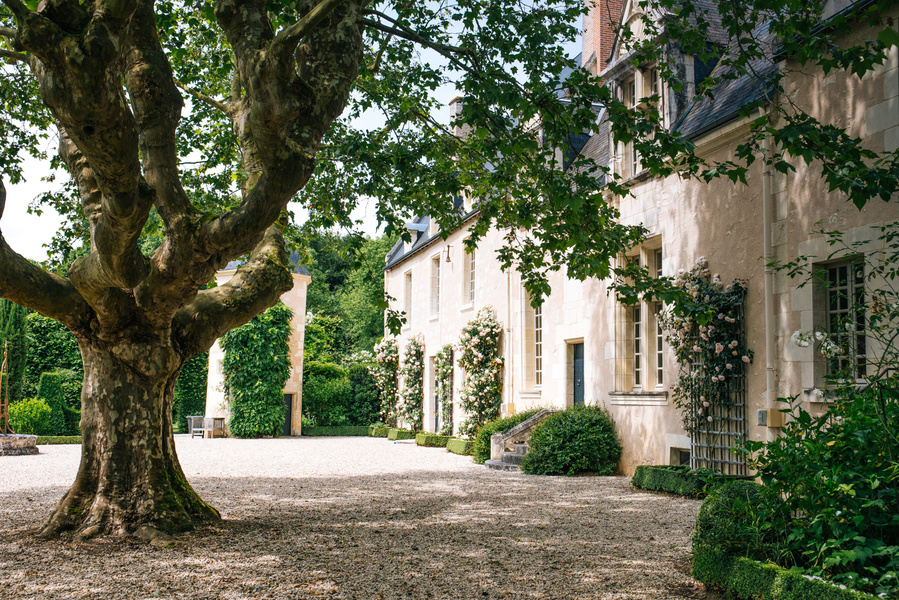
[
  {"x": 538, "y": 345},
  {"x": 532, "y": 343},
  {"x": 407, "y": 299},
  {"x": 844, "y": 319},
  {"x": 468, "y": 276},
  {"x": 639, "y": 345},
  {"x": 435, "y": 285}
]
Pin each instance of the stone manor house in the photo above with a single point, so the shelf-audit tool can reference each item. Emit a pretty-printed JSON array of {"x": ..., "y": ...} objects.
[{"x": 583, "y": 347}]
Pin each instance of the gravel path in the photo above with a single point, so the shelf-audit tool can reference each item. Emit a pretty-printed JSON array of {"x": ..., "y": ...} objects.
[{"x": 358, "y": 518}]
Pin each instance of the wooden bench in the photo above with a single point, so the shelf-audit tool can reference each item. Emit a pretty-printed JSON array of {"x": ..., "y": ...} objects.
[{"x": 199, "y": 426}]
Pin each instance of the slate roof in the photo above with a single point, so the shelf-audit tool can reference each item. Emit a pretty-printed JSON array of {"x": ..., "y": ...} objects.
[
  {"x": 293, "y": 259},
  {"x": 421, "y": 240}
]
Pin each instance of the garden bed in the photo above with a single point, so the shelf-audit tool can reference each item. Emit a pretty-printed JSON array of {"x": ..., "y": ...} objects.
[
  {"x": 457, "y": 446},
  {"x": 334, "y": 431},
  {"x": 432, "y": 440}
]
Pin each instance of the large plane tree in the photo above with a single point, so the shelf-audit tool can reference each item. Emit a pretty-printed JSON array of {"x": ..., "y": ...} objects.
[{"x": 281, "y": 97}]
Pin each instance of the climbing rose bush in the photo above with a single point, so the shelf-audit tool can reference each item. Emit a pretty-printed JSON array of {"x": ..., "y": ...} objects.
[
  {"x": 706, "y": 334},
  {"x": 385, "y": 372},
  {"x": 479, "y": 348},
  {"x": 443, "y": 366},
  {"x": 413, "y": 373}
]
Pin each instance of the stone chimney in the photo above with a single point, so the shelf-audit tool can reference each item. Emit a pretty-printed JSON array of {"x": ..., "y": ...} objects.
[{"x": 600, "y": 25}]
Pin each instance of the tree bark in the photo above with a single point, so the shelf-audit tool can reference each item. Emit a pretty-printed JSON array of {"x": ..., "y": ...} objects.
[{"x": 129, "y": 475}]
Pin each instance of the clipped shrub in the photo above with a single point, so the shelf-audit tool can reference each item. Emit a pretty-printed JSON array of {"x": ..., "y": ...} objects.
[
  {"x": 730, "y": 520},
  {"x": 482, "y": 441},
  {"x": 576, "y": 440},
  {"x": 52, "y": 347},
  {"x": 432, "y": 440},
  {"x": 459, "y": 446},
  {"x": 674, "y": 479},
  {"x": 400, "y": 434},
  {"x": 63, "y": 420},
  {"x": 30, "y": 416},
  {"x": 378, "y": 430},
  {"x": 337, "y": 431},
  {"x": 53, "y": 440}
]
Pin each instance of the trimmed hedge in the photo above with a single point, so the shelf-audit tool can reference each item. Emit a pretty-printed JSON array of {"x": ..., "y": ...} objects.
[
  {"x": 676, "y": 479},
  {"x": 336, "y": 430},
  {"x": 481, "y": 450},
  {"x": 378, "y": 430},
  {"x": 576, "y": 440},
  {"x": 747, "y": 579},
  {"x": 400, "y": 434},
  {"x": 457, "y": 446},
  {"x": 49, "y": 440},
  {"x": 432, "y": 440}
]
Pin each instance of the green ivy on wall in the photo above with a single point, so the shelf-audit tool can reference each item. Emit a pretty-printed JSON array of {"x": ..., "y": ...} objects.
[
  {"x": 481, "y": 395},
  {"x": 443, "y": 365},
  {"x": 413, "y": 374},
  {"x": 385, "y": 372},
  {"x": 190, "y": 391},
  {"x": 256, "y": 367}
]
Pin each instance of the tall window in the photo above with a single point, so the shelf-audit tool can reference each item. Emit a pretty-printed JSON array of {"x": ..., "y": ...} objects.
[
  {"x": 639, "y": 349},
  {"x": 407, "y": 303},
  {"x": 629, "y": 92},
  {"x": 845, "y": 306},
  {"x": 468, "y": 275},
  {"x": 435, "y": 285},
  {"x": 538, "y": 345}
]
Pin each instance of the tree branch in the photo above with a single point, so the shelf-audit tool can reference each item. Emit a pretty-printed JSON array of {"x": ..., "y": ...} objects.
[
  {"x": 289, "y": 37},
  {"x": 257, "y": 285},
  {"x": 8, "y": 32},
  {"x": 29, "y": 285},
  {"x": 19, "y": 56},
  {"x": 208, "y": 100}
]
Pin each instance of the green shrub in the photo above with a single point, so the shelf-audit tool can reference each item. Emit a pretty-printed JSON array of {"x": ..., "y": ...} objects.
[
  {"x": 579, "y": 439},
  {"x": 256, "y": 367},
  {"x": 63, "y": 419},
  {"x": 30, "y": 416},
  {"x": 748, "y": 579},
  {"x": 327, "y": 394},
  {"x": 675, "y": 479},
  {"x": 340, "y": 430},
  {"x": 459, "y": 446},
  {"x": 432, "y": 440},
  {"x": 51, "y": 440},
  {"x": 832, "y": 486},
  {"x": 190, "y": 391},
  {"x": 52, "y": 347},
  {"x": 366, "y": 401},
  {"x": 378, "y": 430},
  {"x": 482, "y": 441},
  {"x": 400, "y": 434},
  {"x": 730, "y": 520}
]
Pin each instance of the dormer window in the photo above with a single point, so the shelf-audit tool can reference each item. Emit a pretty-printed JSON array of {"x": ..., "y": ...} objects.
[{"x": 629, "y": 92}]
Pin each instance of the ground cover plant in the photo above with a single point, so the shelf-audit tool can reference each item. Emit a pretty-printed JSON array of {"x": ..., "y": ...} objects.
[
  {"x": 501, "y": 425},
  {"x": 580, "y": 439}
]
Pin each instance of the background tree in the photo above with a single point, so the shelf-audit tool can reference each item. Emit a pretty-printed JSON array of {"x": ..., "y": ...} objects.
[
  {"x": 14, "y": 334},
  {"x": 51, "y": 347}
]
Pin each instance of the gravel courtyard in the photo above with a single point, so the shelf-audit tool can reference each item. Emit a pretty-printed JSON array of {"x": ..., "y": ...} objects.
[{"x": 358, "y": 518}]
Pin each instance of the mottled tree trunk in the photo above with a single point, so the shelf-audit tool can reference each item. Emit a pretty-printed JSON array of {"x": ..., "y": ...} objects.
[{"x": 129, "y": 474}]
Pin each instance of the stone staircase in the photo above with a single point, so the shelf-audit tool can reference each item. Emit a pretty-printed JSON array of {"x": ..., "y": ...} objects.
[
  {"x": 508, "y": 448},
  {"x": 509, "y": 460}
]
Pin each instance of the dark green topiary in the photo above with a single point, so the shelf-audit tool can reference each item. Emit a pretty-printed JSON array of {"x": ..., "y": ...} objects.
[
  {"x": 14, "y": 334},
  {"x": 482, "y": 441},
  {"x": 675, "y": 479},
  {"x": 577, "y": 440},
  {"x": 400, "y": 434},
  {"x": 51, "y": 390},
  {"x": 729, "y": 520},
  {"x": 336, "y": 431}
]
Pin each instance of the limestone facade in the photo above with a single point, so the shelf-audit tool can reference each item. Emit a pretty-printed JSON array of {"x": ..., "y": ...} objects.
[{"x": 686, "y": 219}]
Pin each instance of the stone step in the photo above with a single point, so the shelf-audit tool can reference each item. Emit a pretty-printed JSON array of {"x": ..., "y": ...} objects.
[
  {"x": 522, "y": 448},
  {"x": 498, "y": 465},
  {"x": 512, "y": 458}
]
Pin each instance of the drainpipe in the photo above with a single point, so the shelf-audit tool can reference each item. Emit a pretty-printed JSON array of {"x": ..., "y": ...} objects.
[
  {"x": 773, "y": 417},
  {"x": 510, "y": 372}
]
